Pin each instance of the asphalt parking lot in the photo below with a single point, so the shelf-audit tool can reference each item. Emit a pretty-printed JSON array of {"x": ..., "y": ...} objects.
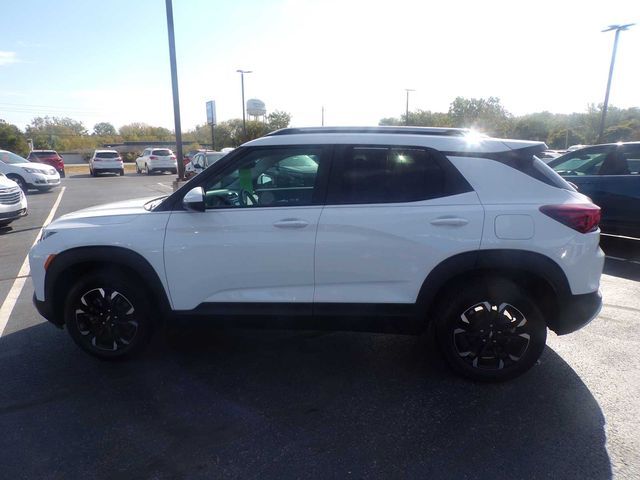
[{"x": 206, "y": 403}]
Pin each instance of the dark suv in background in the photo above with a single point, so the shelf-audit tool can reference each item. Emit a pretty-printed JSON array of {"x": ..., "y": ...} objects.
[
  {"x": 49, "y": 157},
  {"x": 610, "y": 175}
]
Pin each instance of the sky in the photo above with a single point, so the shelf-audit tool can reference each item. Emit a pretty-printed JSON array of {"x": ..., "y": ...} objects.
[{"x": 108, "y": 61}]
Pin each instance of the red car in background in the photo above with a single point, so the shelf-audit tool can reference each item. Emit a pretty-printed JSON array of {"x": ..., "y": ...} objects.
[{"x": 50, "y": 157}]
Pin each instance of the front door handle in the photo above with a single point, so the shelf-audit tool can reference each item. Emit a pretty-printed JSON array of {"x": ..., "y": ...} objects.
[
  {"x": 449, "y": 221},
  {"x": 291, "y": 223}
]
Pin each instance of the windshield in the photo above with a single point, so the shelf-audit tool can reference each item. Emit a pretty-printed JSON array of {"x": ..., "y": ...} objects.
[
  {"x": 580, "y": 164},
  {"x": 11, "y": 158}
]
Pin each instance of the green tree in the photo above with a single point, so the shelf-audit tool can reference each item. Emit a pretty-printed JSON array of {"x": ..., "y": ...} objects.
[
  {"x": 622, "y": 132},
  {"x": 141, "y": 131},
  {"x": 12, "y": 139},
  {"x": 58, "y": 133},
  {"x": 562, "y": 138},
  {"x": 487, "y": 115},
  {"x": 277, "y": 120},
  {"x": 104, "y": 129}
]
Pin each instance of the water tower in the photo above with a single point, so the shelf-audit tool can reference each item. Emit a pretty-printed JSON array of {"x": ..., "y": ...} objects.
[{"x": 256, "y": 109}]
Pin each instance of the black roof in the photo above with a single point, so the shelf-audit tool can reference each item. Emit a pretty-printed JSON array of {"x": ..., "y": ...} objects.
[{"x": 446, "y": 132}]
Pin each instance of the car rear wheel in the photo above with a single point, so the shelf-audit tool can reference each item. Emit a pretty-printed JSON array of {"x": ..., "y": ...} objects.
[
  {"x": 490, "y": 329},
  {"x": 20, "y": 181},
  {"x": 122, "y": 172},
  {"x": 146, "y": 170},
  {"x": 108, "y": 316}
]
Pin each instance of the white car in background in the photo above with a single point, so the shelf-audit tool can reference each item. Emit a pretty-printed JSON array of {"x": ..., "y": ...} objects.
[
  {"x": 200, "y": 161},
  {"x": 106, "y": 161},
  {"x": 13, "y": 202},
  {"x": 155, "y": 160},
  {"x": 28, "y": 174}
]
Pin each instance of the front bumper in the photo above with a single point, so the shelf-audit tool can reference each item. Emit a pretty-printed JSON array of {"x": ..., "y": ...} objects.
[
  {"x": 44, "y": 309},
  {"x": 577, "y": 311},
  {"x": 13, "y": 214}
]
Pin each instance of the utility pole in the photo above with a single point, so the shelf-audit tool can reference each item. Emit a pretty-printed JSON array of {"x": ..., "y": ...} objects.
[
  {"x": 174, "y": 84},
  {"x": 406, "y": 117},
  {"x": 618, "y": 29},
  {"x": 244, "y": 119}
]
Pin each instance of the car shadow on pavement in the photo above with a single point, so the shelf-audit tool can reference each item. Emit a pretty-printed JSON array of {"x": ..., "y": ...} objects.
[{"x": 204, "y": 403}]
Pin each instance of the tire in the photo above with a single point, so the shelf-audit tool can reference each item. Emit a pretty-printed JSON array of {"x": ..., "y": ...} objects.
[
  {"x": 62, "y": 173},
  {"x": 138, "y": 171},
  {"x": 146, "y": 169},
  {"x": 88, "y": 309},
  {"x": 174, "y": 171},
  {"x": 20, "y": 181},
  {"x": 93, "y": 172},
  {"x": 480, "y": 331},
  {"x": 122, "y": 172}
]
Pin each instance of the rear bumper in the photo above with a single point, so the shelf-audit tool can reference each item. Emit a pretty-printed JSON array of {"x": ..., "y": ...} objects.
[{"x": 577, "y": 311}]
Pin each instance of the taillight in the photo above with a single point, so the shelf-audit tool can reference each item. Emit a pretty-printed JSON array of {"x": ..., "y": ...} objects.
[
  {"x": 153, "y": 157},
  {"x": 583, "y": 218},
  {"x": 173, "y": 157}
]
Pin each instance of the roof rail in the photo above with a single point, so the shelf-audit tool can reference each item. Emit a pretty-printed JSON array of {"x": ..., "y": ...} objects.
[{"x": 434, "y": 131}]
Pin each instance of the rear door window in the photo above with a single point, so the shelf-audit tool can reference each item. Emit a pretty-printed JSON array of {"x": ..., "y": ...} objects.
[{"x": 383, "y": 174}]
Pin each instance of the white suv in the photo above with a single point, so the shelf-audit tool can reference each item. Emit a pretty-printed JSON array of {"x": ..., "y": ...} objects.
[
  {"x": 383, "y": 229},
  {"x": 28, "y": 174},
  {"x": 106, "y": 161},
  {"x": 13, "y": 202},
  {"x": 155, "y": 160}
]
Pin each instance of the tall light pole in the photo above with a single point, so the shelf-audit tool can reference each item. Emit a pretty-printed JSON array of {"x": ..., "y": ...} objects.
[
  {"x": 618, "y": 29},
  {"x": 244, "y": 119},
  {"x": 406, "y": 117},
  {"x": 174, "y": 85}
]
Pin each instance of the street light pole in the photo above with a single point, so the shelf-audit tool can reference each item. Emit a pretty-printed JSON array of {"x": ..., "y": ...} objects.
[
  {"x": 406, "y": 117},
  {"x": 174, "y": 84},
  {"x": 244, "y": 119},
  {"x": 618, "y": 29}
]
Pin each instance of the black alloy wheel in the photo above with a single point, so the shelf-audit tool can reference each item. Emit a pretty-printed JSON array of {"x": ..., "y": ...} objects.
[
  {"x": 490, "y": 329},
  {"x": 108, "y": 316}
]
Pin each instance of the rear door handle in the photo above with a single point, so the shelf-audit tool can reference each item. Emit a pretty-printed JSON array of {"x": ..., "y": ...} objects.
[
  {"x": 450, "y": 221},
  {"x": 291, "y": 223}
]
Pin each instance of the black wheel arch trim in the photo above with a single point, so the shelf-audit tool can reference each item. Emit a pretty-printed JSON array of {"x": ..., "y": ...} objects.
[
  {"x": 497, "y": 260},
  {"x": 107, "y": 255}
]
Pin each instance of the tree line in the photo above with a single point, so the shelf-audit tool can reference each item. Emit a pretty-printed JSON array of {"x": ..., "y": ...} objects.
[
  {"x": 557, "y": 130},
  {"x": 66, "y": 134},
  {"x": 488, "y": 115}
]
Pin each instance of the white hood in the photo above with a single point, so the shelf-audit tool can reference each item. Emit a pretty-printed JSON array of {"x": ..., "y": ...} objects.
[
  {"x": 6, "y": 183},
  {"x": 111, "y": 213}
]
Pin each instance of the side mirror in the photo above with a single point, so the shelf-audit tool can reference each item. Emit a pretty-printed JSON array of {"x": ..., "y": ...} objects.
[
  {"x": 573, "y": 185},
  {"x": 193, "y": 201}
]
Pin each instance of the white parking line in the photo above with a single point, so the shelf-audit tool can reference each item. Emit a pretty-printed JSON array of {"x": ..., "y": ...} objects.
[
  {"x": 165, "y": 186},
  {"x": 14, "y": 293}
]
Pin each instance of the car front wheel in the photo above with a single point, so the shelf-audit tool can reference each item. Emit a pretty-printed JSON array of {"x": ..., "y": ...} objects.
[
  {"x": 108, "y": 316},
  {"x": 490, "y": 329},
  {"x": 20, "y": 181}
]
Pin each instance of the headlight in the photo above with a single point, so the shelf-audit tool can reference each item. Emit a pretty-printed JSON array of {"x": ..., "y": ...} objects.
[{"x": 31, "y": 170}]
